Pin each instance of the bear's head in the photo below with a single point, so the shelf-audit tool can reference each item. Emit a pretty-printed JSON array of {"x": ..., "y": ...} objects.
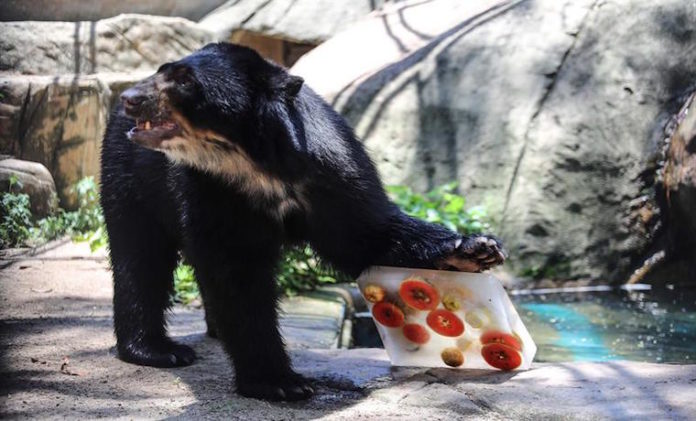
[{"x": 221, "y": 108}]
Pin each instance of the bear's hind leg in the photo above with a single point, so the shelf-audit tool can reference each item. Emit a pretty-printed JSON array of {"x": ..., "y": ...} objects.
[{"x": 143, "y": 258}]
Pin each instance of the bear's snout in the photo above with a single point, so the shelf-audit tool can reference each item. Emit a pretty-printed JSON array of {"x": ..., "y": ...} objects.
[
  {"x": 133, "y": 97},
  {"x": 138, "y": 102}
]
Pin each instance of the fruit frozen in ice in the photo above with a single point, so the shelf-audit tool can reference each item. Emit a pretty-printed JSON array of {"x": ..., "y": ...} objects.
[
  {"x": 445, "y": 323},
  {"x": 388, "y": 314},
  {"x": 452, "y": 356},
  {"x": 374, "y": 293},
  {"x": 418, "y": 294}
]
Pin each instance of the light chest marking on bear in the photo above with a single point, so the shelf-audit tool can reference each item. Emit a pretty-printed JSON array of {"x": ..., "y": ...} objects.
[{"x": 209, "y": 152}]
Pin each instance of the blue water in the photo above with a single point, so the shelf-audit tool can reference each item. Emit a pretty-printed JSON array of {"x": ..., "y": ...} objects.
[
  {"x": 650, "y": 326},
  {"x": 574, "y": 331}
]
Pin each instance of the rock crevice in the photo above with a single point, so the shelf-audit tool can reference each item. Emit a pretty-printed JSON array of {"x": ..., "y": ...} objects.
[{"x": 553, "y": 78}]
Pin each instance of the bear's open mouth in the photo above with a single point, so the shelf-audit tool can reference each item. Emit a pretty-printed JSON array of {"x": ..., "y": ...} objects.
[{"x": 151, "y": 133}]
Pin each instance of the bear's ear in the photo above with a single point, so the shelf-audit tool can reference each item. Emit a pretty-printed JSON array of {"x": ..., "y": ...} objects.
[
  {"x": 290, "y": 85},
  {"x": 293, "y": 86}
]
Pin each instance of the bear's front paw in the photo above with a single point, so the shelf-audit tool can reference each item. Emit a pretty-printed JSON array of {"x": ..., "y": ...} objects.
[
  {"x": 291, "y": 387},
  {"x": 163, "y": 353},
  {"x": 474, "y": 254}
]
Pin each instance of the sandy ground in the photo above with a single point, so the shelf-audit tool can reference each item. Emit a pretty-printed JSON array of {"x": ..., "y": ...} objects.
[{"x": 58, "y": 362}]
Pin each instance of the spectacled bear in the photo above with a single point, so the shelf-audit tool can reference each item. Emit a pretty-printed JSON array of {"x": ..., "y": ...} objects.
[{"x": 225, "y": 158}]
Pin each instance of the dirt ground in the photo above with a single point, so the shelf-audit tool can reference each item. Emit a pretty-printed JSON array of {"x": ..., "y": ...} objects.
[{"x": 58, "y": 362}]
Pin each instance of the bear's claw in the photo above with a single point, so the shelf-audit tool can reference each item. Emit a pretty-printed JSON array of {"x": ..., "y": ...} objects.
[
  {"x": 475, "y": 253},
  {"x": 164, "y": 353},
  {"x": 290, "y": 388}
]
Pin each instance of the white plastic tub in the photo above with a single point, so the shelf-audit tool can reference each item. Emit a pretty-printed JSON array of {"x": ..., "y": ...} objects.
[{"x": 430, "y": 318}]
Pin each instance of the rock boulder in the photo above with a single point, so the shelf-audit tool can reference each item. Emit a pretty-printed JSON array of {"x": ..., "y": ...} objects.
[
  {"x": 122, "y": 43},
  {"x": 305, "y": 21},
  {"x": 35, "y": 181},
  {"x": 548, "y": 112}
]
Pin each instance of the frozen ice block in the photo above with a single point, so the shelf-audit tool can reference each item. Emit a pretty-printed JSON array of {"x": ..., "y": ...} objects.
[{"x": 431, "y": 318}]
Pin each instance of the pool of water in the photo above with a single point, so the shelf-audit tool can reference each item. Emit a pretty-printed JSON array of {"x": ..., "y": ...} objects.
[{"x": 651, "y": 325}]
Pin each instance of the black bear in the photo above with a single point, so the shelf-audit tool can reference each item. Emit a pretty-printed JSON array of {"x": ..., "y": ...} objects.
[{"x": 225, "y": 158}]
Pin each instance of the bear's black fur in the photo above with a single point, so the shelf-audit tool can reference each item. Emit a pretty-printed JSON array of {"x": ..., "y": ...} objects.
[{"x": 226, "y": 158}]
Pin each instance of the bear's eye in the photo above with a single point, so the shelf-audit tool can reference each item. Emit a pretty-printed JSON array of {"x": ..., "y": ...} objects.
[{"x": 182, "y": 76}]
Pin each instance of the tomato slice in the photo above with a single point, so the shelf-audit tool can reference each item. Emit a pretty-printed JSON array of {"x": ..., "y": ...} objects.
[
  {"x": 445, "y": 323},
  {"x": 416, "y": 333},
  {"x": 498, "y": 337},
  {"x": 453, "y": 356},
  {"x": 419, "y": 295},
  {"x": 374, "y": 293},
  {"x": 501, "y": 356},
  {"x": 388, "y": 314}
]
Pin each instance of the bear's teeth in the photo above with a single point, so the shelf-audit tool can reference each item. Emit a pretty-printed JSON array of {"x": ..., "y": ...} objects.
[{"x": 147, "y": 125}]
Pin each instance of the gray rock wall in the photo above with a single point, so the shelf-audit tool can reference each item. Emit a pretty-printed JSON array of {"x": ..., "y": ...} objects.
[
  {"x": 548, "y": 112},
  {"x": 123, "y": 43},
  {"x": 81, "y": 10},
  {"x": 596, "y": 133},
  {"x": 305, "y": 21}
]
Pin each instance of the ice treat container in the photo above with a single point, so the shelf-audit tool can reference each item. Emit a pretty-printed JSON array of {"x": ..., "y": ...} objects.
[{"x": 431, "y": 318}]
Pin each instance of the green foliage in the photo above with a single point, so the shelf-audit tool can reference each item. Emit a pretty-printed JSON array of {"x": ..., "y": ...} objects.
[
  {"x": 301, "y": 270},
  {"x": 98, "y": 239},
  {"x": 15, "y": 216},
  {"x": 441, "y": 206},
  {"x": 84, "y": 224},
  {"x": 185, "y": 286}
]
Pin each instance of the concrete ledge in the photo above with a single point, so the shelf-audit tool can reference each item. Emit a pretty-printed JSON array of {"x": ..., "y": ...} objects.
[{"x": 313, "y": 321}]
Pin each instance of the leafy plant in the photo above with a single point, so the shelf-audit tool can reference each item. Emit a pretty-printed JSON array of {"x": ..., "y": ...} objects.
[
  {"x": 15, "y": 216},
  {"x": 302, "y": 270},
  {"x": 84, "y": 224},
  {"x": 185, "y": 286},
  {"x": 442, "y": 206}
]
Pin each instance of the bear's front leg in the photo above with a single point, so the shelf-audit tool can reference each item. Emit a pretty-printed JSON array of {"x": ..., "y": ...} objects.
[
  {"x": 241, "y": 294},
  {"x": 416, "y": 243}
]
